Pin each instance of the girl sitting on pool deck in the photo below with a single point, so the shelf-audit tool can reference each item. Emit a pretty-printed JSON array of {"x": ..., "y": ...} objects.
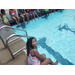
[
  {"x": 38, "y": 11},
  {"x": 14, "y": 15},
  {"x": 22, "y": 13},
  {"x": 4, "y": 18},
  {"x": 34, "y": 13},
  {"x": 34, "y": 58},
  {"x": 47, "y": 11},
  {"x": 29, "y": 12}
]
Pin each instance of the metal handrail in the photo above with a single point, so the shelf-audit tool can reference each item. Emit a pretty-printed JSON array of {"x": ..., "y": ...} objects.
[
  {"x": 7, "y": 43},
  {"x": 11, "y": 28},
  {"x": 2, "y": 41}
]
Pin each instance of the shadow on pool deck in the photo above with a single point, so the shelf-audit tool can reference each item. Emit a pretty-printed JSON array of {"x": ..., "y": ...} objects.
[{"x": 56, "y": 55}]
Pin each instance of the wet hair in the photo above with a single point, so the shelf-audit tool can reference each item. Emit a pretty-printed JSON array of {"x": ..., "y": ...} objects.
[
  {"x": 2, "y": 10},
  {"x": 29, "y": 45}
]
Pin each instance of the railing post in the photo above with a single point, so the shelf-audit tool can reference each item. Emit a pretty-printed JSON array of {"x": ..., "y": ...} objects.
[
  {"x": 10, "y": 52},
  {"x": 3, "y": 41}
]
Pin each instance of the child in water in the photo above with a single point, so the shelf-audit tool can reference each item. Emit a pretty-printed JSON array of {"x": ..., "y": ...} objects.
[
  {"x": 4, "y": 18},
  {"x": 34, "y": 58}
]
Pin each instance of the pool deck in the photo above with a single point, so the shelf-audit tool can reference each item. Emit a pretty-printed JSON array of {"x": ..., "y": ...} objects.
[
  {"x": 20, "y": 58},
  {"x": 5, "y": 57}
]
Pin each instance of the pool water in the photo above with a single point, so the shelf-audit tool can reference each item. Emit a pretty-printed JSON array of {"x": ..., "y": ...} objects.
[{"x": 55, "y": 35}]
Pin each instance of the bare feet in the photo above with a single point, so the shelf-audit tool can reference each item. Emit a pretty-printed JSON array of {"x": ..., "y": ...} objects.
[
  {"x": 19, "y": 24},
  {"x": 35, "y": 20},
  {"x": 39, "y": 18},
  {"x": 28, "y": 21},
  {"x": 56, "y": 62},
  {"x": 25, "y": 24}
]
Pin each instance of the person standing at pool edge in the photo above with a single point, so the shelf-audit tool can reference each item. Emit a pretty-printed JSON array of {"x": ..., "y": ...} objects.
[
  {"x": 14, "y": 15},
  {"x": 34, "y": 58}
]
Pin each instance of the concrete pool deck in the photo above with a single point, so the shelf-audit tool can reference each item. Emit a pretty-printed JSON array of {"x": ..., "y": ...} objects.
[{"x": 5, "y": 57}]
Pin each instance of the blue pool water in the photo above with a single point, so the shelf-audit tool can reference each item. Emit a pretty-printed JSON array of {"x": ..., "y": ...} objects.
[{"x": 55, "y": 35}]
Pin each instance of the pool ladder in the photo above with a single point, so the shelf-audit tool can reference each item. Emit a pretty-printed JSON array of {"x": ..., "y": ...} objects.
[{"x": 7, "y": 40}]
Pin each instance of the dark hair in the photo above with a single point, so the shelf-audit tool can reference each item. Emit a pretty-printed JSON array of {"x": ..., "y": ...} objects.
[
  {"x": 2, "y": 11},
  {"x": 29, "y": 45}
]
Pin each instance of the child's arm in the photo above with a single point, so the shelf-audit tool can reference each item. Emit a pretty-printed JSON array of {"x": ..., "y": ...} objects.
[
  {"x": 7, "y": 17},
  {"x": 36, "y": 53},
  {"x": 2, "y": 18}
]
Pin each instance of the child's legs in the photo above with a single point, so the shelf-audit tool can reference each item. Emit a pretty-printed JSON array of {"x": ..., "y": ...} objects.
[
  {"x": 54, "y": 10},
  {"x": 44, "y": 56},
  {"x": 8, "y": 23},
  {"x": 17, "y": 18},
  {"x": 34, "y": 15},
  {"x": 37, "y": 15},
  {"x": 46, "y": 62},
  {"x": 4, "y": 23},
  {"x": 31, "y": 16},
  {"x": 13, "y": 17},
  {"x": 27, "y": 15},
  {"x": 23, "y": 18}
]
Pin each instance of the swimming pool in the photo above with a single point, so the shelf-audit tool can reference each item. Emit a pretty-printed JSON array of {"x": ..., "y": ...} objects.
[{"x": 55, "y": 35}]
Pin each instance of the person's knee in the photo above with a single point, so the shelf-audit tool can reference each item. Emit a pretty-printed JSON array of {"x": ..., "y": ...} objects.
[
  {"x": 21, "y": 15},
  {"x": 44, "y": 54},
  {"x": 14, "y": 18},
  {"x": 17, "y": 17},
  {"x": 31, "y": 14},
  {"x": 48, "y": 59}
]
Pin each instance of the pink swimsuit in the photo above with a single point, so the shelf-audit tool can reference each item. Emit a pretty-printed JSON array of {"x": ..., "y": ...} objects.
[{"x": 33, "y": 60}]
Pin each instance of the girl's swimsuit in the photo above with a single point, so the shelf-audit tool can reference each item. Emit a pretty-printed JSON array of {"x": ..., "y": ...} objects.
[
  {"x": 5, "y": 19},
  {"x": 28, "y": 11},
  {"x": 33, "y": 11},
  {"x": 33, "y": 60},
  {"x": 13, "y": 12}
]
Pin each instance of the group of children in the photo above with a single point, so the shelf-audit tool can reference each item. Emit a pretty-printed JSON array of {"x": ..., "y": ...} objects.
[{"x": 24, "y": 13}]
